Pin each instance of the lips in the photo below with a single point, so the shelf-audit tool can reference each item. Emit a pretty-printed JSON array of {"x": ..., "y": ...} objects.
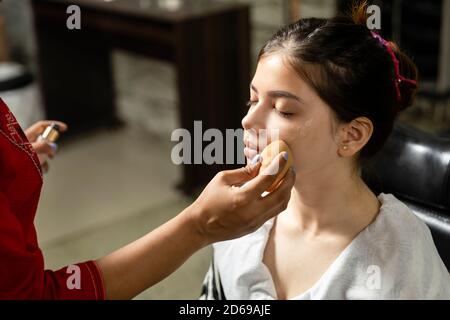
[
  {"x": 251, "y": 149},
  {"x": 250, "y": 144}
]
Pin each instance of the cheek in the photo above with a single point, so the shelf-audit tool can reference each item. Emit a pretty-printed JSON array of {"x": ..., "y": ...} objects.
[
  {"x": 311, "y": 143},
  {"x": 304, "y": 129},
  {"x": 299, "y": 134}
]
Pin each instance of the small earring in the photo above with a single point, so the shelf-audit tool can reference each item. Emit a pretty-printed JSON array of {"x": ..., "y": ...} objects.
[{"x": 345, "y": 147}]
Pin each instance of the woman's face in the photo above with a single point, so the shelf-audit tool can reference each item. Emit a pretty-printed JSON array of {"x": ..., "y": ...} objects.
[{"x": 281, "y": 100}]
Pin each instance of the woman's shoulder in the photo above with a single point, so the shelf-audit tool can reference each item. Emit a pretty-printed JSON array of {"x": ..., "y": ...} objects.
[
  {"x": 398, "y": 232},
  {"x": 401, "y": 245},
  {"x": 398, "y": 220},
  {"x": 398, "y": 224}
]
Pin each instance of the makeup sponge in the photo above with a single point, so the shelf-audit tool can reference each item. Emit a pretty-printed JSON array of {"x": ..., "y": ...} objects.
[{"x": 269, "y": 153}]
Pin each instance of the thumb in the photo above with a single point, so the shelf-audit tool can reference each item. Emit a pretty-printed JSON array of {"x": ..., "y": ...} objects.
[{"x": 244, "y": 174}]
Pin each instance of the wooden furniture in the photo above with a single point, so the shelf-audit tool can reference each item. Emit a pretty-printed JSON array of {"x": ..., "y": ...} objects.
[
  {"x": 291, "y": 11},
  {"x": 207, "y": 41},
  {"x": 4, "y": 52}
]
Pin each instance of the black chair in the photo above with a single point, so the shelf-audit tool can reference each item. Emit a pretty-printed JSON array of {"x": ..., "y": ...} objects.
[{"x": 415, "y": 167}]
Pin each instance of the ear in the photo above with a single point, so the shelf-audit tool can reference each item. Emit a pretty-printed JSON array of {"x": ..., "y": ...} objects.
[{"x": 354, "y": 136}]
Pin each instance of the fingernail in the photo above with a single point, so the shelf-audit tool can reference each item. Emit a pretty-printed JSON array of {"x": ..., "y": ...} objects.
[
  {"x": 285, "y": 155},
  {"x": 54, "y": 146},
  {"x": 256, "y": 159}
]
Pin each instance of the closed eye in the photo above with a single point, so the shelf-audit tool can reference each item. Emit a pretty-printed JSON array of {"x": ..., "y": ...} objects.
[
  {"x": 283, "y": 114},
  {"x": 251, "y": 103}
]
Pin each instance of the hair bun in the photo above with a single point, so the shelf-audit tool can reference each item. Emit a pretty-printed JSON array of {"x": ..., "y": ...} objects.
[
  {"x": 359, "y": 12},
  {"x": 407, "y": 68}
]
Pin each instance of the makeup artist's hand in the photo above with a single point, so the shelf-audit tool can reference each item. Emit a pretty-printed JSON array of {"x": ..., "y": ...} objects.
[
  {"x": 224, "y": 211},
  {"x": 43, "y": 148}
]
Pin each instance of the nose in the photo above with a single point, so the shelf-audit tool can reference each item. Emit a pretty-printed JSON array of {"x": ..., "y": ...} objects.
[{"x": 254, "y": 118}]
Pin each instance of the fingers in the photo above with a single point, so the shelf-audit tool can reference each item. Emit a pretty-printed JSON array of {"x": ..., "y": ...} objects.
[
  {"x": 263, "y": 181},
  {"x": 36, "y": 129},
  {"x": 45, "y": 123},
  {"x": 286, "y": 185},
  {"x": 241, "y": 175},
  {"x": 43, "y": 147}
]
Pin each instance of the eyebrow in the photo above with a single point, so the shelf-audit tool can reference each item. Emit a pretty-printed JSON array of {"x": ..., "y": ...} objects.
[{"x": 279, "y": 94}]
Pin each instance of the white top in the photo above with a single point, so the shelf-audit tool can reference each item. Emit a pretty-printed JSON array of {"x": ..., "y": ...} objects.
[{"x": 392, "y": 258}]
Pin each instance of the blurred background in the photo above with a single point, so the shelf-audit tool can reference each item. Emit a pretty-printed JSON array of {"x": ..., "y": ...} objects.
[{"x": 138, "y": 69}]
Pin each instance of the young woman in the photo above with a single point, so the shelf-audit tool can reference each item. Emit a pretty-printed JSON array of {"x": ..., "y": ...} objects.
[{"x": 333, "y": 89}]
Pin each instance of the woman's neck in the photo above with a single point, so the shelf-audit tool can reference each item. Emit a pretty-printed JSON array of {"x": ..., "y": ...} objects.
[{"x": 338, "y": 202}]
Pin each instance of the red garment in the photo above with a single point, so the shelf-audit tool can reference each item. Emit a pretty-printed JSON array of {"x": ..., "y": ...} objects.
[{"x": 22, "y": 274}]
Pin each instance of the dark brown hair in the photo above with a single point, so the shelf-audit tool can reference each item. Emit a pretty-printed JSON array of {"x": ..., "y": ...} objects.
[{"x": 349, "y": 69}]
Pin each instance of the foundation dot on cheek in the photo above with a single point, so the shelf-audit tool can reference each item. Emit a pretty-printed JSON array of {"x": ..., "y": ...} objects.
[{"x": 303, "y": 129}]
